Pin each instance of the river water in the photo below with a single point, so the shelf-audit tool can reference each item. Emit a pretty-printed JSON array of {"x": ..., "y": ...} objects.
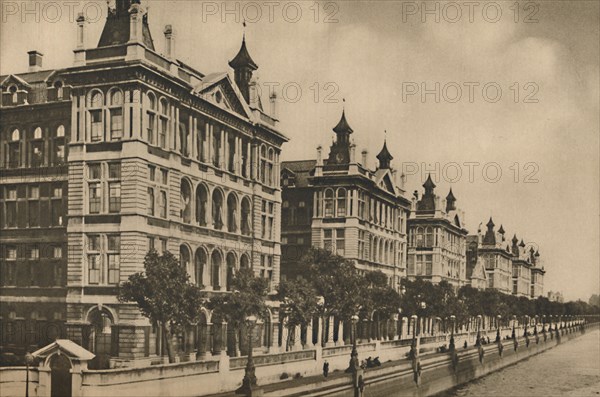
[{"x": 570, "y": 369}]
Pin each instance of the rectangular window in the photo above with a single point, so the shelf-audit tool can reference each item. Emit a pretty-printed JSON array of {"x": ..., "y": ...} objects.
[
  {"x": 163, "y": 245},
  {"x": 57, "y": 254},
  {"x": 96, "y": 118},
  {"x": 114, "y": 204},
  {"x": 116, "y": 124},
  {"x": 11, "y": 206},
  {"x": 328, "y": 239},
  {"x": 150, "y": 201},
  {"x": 114, "y": 258},
  {"x": 164, "y": 176},
  {"x": 34, "y": 206},
  {"x": 150, "y": 243},
  {"x": 340, "y": 242},
  {"x": 152, "y": 173},
  {"x": 94, "y": 268},
  {"x": 151, "y": 123},
  {"x": 94, "y": 171},
  {"x": 162, "y": 204},
  {"x": 162, "y": 133},
  {"x": 95, "y": 198}
]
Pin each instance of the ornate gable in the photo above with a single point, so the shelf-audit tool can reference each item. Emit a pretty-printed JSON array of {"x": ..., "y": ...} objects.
[{"x": 219, "y": 90}]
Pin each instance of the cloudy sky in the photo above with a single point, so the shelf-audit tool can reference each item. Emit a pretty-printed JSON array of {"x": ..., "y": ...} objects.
[{"x": 509, "y": 118}]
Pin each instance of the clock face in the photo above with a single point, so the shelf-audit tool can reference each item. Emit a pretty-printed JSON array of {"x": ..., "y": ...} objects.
[{"x": 339, "y": 157}]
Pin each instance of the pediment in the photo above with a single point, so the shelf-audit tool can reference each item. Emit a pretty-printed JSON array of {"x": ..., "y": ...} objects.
[
  {"x": 220, "y": 90},
  {"x": 16, "y": 80}
]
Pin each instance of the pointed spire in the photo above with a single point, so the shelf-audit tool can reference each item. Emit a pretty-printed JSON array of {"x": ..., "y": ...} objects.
[
  {"x": 521, "y": 244},
  {"x": 501, "y": 230},
  {"x": 450, "y": 201},
  {"x": 243, "y": 59},
  {"x": 384, "y": 156},
  {"x": 343, "y": 126},
  {"x": 537, "y": 253},
  {"x": 490, "y": 224},
  {"x": 429, "y": 185},
  {"x": 515, "y": 240}
]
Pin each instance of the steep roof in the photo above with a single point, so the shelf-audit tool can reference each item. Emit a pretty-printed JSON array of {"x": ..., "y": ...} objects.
[
  {"x": 384, "y": 154},
  {"x": 243, "y": 58},
  {"x": 302, "y": 170},
  {"x": 342, "y": 125},
  {"x": 117, "y": 27}
]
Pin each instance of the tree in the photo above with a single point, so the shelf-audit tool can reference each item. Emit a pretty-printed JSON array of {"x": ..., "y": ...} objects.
[
  {"x": 299, "y": 304},
  {"x": 247, "y": 298},
  {"x": 164, "y": 294},
  {"x": 337, "y": 281}
]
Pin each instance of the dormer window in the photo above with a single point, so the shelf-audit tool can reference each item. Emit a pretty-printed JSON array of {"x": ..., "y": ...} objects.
[
  {"x": 58, "y": 85},
  {"x": 13, "y": 90}
]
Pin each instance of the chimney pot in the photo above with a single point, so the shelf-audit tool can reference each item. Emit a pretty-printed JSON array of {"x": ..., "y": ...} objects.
[
  {"x": 35, "y": 60},
  {"x": 364, "y": 158}
]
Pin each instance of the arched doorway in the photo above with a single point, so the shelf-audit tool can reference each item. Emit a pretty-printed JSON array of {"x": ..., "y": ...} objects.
[
  {"x": 100, "y": 339},
  {"x": 60, "y": 376}
]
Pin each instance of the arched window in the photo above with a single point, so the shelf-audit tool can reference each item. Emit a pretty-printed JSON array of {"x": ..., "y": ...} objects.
[
  {"x": 100, "y": 337},
  {"x": 185, "y": 260},
  {"x": 246, "y": 220},
  {"x": 186, "y": 201},
  {"x": 380, "y": 254},
  {"x": 163, "y": 125},
  {"x": 270, "y": 166},
  {"x": 151, "y": 118},
  {"x": 232, "y": 216},
  {"x": 200, "y": 262},
  {"x": 341, "y": 202},
  {"x": 36, "y": 148},
  {"x": 329, "y": 203},
  {"x": 215, "y": 270},
  {"x": 58, "y": 146},
  {"x": 230, "y": 269},
  {"x": 201, "y": 205},
  {"x": 244, "y": 262},
  {"x": 116, "y": 115},
  {"x": 58, "y": 85},
  {"x": 263, "y": 164},
  {"x": 14, "y": 149},
  {"x": 13, "y": 90},
  {"x": 429, "y": 237},
  {"x": 217, "y": 209},
  {"x": 96, "y": 103},
  {"x": 216, "y": 149},
  {"x": 419, "y": 237}
]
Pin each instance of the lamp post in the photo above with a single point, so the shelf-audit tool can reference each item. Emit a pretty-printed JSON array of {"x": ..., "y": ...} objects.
[
  {"x": 478, "y": 339},
  {"x": 249, "y": 386},
  {"x": 544, "y": 323},
  {"x": 321, "y": 305},
  {"x": 498, "y": 318},
  {"x": 354, "y": 365},
  {"x": 525, "y": 324},
  {"x": 452, "y": 320},
  {"x": 28, "y": 362},
  {"x": 514, "y": 319},
  {"x": 399, "y": 315},
  {"x": 413, "y": 345}
]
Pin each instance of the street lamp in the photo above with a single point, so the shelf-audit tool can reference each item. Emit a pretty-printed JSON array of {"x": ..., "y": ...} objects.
[
  {"x": 28, "y": 362},
  {"x": 525, "y": 324},
  {"x": 354, "y": 365},
  {"x": 514, "y": 318},
  {"x": 478, "y": 339},
  {"x": 452, "y": 320},
  {"x": 249, "y": 382},
  {"x": 498, "y": 318},
  {"x": 399, "y": 316},
  {"x": 321, "y": 305}
]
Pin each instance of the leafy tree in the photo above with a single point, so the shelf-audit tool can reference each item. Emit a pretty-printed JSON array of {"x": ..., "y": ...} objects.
[
  {"x": 299, "y": 303},
  {"x": 337, "y": 281},
  {"x": 164, "y": 294},
  {"x": 247, "y": 298}
]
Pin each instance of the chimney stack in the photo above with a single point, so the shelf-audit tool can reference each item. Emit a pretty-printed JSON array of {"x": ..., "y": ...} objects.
[
  {"x": 273, "y": 101},
  {"x": 364, "y": 158},
  {"x": 169, "y": 42},
  {"x": 35, "y": 61}
]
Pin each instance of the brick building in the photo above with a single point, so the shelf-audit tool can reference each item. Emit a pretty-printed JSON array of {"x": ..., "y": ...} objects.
[
  {"x": 437, "y": 239},
  {"x": 338, "y": 203},
  {"x": 156, "y": 155}
]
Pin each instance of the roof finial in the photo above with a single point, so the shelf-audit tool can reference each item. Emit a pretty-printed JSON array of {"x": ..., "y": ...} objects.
[{"x": 244, "y": 34}]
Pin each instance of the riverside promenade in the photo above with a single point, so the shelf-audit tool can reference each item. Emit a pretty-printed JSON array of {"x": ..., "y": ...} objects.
[
  {"x": 570, "y": 369},
  {"x": 537, "y": 360}
]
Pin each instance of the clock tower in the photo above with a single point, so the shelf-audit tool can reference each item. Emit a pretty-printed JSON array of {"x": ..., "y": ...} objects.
[{"x": 339, "y": 153}]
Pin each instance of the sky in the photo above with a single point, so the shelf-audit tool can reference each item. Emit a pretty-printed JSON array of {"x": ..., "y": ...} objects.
[{"x": 499, "y": 102}]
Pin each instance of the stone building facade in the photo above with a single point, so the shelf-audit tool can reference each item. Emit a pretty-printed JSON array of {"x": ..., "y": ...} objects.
[
  {"x": 510, "y": 267},
  {"x": 338, "y": 203},
  {"x": 160, "y": 156},
  {"x": 437, "y": 239},
  {"x": 34, "y": 123}
]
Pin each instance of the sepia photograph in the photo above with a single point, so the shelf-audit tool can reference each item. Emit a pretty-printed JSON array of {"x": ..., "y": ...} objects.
[{"x": 299, "y": 198}]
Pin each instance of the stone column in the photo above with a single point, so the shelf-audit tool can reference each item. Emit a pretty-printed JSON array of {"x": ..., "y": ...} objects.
[
  {"x": 341, "y": 341},
  {"x": 297, "y": 338},
  {"x": 320, "y": 325},
  {"x": 309, "y": 336},
  {"x": 284, "y": 338}
]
